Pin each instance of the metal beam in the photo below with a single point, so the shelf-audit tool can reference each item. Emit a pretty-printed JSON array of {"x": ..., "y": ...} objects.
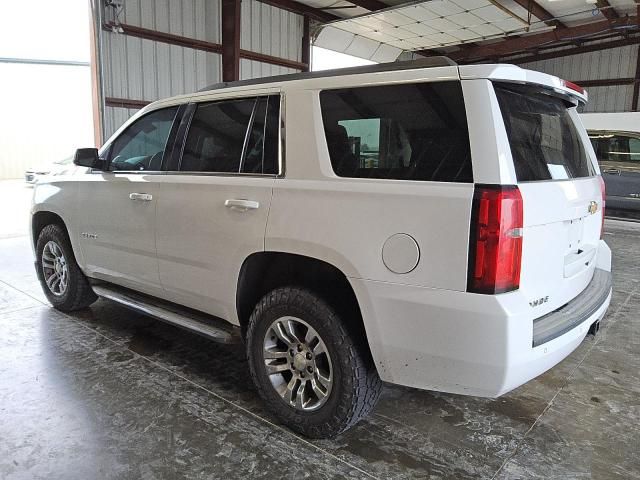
[
  {"x": 230, "y": 40},
  {"x": 302, "y": 9},
  {"x": 596, "y": 47},
  {"x": 607, "y": 10},
  {"x": 125, "y": 103},
  {"x": 371, "y": 5},
  {"x": 636, "y": 87},
  {"x": 538, "y": 11},
  {"x": 606, "y": 82},
  {"x": 306, "y": 44},
  {"x": 163, "y": 37},
  {"x": 211, "y": 47},
  {"x": 515, "y": 45},
  {"x": 264, "y": 58}
]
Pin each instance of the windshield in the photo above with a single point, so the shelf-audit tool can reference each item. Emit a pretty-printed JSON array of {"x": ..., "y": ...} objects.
[{"x": 545, "y": 142}]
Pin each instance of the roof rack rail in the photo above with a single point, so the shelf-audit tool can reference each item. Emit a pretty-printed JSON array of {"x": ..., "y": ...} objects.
[{"x": 428, "y": 62}]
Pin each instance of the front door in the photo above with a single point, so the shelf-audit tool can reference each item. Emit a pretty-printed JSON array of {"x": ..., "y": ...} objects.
[
  {"x": 213, "y": 204},
  {"x": 118, "y": 206}
]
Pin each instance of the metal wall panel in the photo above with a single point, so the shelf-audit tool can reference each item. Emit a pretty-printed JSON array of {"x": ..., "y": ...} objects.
[
  {"x": 188, "y": 18},
  {"x": 139, "y": 69},
  {"x": 270, "y": 30},
  {"x": 604, "y": 64},
  {"x": 250, "y": 69}
]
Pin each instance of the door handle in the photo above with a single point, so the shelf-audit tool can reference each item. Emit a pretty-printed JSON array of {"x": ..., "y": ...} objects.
[
  {"x": 142, "y": 197},
  {"x": 241, "y": 205},
  {"x": 612, "y": 171}
]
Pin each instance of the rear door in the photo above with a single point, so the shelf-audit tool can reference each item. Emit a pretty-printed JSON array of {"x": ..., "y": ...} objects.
[
  {"x": 619, "y": 157},
  {"x": 215, "y": 198},
  {"x": 561, "y": 191}
]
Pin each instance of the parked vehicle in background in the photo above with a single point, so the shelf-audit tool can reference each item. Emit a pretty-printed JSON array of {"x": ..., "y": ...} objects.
[
  {"x": 616, "y": 140},
  {"x": 61, "y": 167},
  {"x": 420, "y": 223}
]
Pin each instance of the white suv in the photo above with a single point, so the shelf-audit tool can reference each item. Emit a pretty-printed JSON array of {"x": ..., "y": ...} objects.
[{"x": 424, "y": 224}]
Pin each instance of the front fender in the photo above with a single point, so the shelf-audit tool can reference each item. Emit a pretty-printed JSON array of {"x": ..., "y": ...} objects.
[{"x": 59, "y": 198}]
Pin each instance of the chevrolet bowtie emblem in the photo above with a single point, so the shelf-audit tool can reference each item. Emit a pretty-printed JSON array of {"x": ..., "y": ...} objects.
[{"x": 593, "y": 207}]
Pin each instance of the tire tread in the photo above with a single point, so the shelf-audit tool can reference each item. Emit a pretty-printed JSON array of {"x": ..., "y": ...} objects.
[
  {"x": 363, "y": 385},
  {"x": 80, "y": 294}
]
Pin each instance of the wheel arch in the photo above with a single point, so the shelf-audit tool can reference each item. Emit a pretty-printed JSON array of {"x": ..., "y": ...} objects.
[
  {"x": 262, "y": 272},
  {"x": 41, "y": 219}
]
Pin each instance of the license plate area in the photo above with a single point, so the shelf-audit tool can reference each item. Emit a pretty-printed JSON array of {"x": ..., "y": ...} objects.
[{"x": 575, "y": 229}]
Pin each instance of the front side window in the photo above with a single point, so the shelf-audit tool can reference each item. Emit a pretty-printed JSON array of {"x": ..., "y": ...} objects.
[
  {"x": 141, "y": 146},
  {"x": 403, "y": 132},
  {"x": 544, "y": 140},
  {"x": 233, "y": 136}
]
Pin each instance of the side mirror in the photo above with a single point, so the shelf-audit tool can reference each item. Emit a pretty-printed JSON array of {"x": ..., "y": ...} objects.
[{"x": 88, "y": 157}]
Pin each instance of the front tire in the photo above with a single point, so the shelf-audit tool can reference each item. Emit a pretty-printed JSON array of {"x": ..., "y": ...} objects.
[
  {"x": 312, "y": 375},
  {"x": 62, "y": 281}
]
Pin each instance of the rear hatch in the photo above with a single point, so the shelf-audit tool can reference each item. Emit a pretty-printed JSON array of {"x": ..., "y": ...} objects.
[{"x": 561, "y": 192}]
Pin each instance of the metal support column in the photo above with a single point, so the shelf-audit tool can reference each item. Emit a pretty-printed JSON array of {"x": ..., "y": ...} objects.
[
  {"x": 230, "y": 40},
  {"x": 97, "y": 86},
  {"x": 306, "y": 43}
]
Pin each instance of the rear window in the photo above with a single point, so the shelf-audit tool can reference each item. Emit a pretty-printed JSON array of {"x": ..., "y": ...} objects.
[
  {"x": 403, "y": 132},
  {"x": 544, "y": 141}
]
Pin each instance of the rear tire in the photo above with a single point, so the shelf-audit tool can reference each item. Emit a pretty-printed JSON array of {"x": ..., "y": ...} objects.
[
  {"x": 320, "y": 381},
  {"x": 63, "y": 283}
]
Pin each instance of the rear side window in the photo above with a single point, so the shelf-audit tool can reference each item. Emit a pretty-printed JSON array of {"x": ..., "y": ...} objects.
[
  {"x": 610, "y": 147},
  {"x": 545, "y": 144},
  {"x": 404, "y": 132},
  {"x": 233, "y": 136}
]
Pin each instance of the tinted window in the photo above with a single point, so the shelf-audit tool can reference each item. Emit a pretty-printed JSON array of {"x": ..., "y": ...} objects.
[
  {"x": 615, "y": 148},
  {"x": 409, "y": 132},
  {"x": 544, "y": 141},
  {"x": 216, "y": 136},
  {"x": 233, "y": 136},
  {"x": 261, "y": 152},
  {"x": 141, "y": 146}
]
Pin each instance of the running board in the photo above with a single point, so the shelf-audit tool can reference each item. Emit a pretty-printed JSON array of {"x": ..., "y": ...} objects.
[{"x": 206, "y": 325}]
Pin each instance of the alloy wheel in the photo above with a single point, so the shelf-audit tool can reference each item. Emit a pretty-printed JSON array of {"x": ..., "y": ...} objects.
[{"x": 298, "y": 363}]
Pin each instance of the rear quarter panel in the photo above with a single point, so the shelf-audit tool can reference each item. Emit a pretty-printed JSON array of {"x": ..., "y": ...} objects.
[{"x": 346, "y": 221}]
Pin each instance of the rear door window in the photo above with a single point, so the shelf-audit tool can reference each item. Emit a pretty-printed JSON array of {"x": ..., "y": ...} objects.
[
  {"x": 402, "y": 132},
  {"x": 233, "y": 136},
  {"x": 545, "y": 142}
]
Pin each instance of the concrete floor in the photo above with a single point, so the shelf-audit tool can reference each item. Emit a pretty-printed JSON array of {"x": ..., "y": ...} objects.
[{"x": 106, "y": 393}]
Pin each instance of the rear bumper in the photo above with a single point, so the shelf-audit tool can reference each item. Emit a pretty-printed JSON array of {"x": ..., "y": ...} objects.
[
  {"x": 472, "y": 344},
  {"x": 574, "y": 313}
]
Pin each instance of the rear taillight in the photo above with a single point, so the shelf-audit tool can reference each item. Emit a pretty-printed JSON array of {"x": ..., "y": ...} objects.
[
  {"x": 604, "y": 197},
  {"x": 495, "y": 246},
  {"x": 573, "y": 86}
]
